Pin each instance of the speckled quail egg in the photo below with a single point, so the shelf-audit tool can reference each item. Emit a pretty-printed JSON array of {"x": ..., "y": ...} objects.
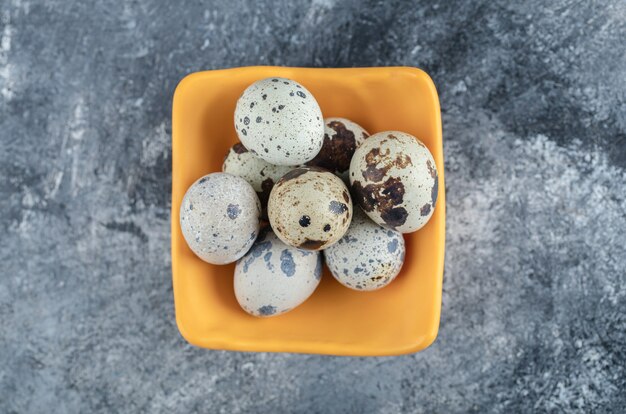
[
  {"x": 274, "y": 278},
  {"x": 368, "y": 256},
  {"x": 310, "y": 208},
  {"x": 341, "y": 139},
  {"x": 394, "y": 180},
  {"x": 280, "y": 121},
  {"x": 219, "y": 217},
  {"x": 260, "y": 174}
]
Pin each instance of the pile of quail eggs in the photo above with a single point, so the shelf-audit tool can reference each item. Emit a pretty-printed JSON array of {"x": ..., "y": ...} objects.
[{"x": 298, "y": 187}]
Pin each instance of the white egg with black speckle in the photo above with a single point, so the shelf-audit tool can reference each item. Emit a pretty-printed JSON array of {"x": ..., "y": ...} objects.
[
  {"x": 280, "y": 121},
  {"x": 219, "y": 217},
  {"x": 273, "y": 278},
  {"x": 394, "y": 179},
  {"x": 368, "y": 257},
  {"x": 260, "y": 174},
  {"x": 310, "y": 208}
]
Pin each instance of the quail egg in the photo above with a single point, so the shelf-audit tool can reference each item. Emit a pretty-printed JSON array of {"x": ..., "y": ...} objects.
[
  {"x": 310, "y": 208},
  {"x": 280, "y": 121},
  {"x": 341, "y": 139},
  {"x": 260, "y": 174},
  {"x": 368, "y": 256},
  {"x": 394, "y": 180},
  {"x": 219, "y": 217},
  {"x": 274, "y": 278}
]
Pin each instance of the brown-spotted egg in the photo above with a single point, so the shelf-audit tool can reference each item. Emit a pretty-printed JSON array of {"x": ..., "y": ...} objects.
[
  {"x": 260, "y": 174},
  {"x": 368, "y": 256},
  {"x": 310, "y": 208},
  {"x": 280, "y": 121},
  {"x": 273, "y": 278},
  {"x": 394, "y": 180},
  {"x": 219, "y": 217},
  {"x": 341, "y": 139}
]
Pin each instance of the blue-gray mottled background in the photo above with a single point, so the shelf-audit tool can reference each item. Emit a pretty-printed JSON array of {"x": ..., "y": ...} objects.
[{"x": 533, "y": 96}]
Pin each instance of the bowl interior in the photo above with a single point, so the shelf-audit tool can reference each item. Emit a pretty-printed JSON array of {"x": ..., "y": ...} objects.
[{"x": 401, "y": 318}]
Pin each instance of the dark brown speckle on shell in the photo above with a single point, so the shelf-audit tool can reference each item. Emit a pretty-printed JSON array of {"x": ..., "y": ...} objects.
[
  {"x": 385, "y": 198},
  {"x": 337, "y": 150},
  {"x": 312, "y": 244},
  {"x": 295, "y": 173},
  {"x": 378, "y": 164},
  {"x": 239, "y": 148}
]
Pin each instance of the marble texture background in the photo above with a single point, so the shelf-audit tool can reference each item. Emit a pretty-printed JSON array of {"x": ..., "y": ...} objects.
[{"x": 533, "y": 96}]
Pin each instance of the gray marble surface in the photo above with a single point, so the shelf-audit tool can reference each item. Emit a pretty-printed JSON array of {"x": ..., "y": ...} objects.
[{"x": 533, "y": 96}]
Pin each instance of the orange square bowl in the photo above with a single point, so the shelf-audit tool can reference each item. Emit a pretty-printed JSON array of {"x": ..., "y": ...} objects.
[{"x": 401, "y": 318}]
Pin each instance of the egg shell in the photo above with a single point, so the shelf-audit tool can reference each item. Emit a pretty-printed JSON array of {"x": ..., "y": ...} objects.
[
  {"x": 341, "y": 139},
  {"x": 368, "y": 257},
  {"x": 260, "y": 174},
  {"x": 394, "y": 180},
  {"x": 274, "y": 278},
  {"x": 280, "y": 121},
  {"x": 310, "y": 208},
  {"x": 219, "y": 217}
]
